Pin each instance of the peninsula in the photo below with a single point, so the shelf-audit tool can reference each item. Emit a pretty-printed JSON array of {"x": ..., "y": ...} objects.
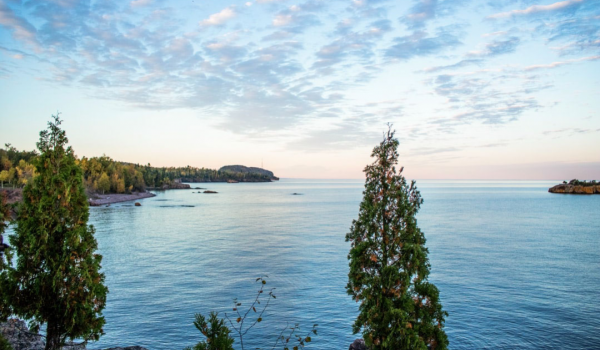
[{"x": 109, "y": 181}]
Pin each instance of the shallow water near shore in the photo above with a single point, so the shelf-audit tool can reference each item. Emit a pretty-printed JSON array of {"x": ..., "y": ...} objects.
[{"x": 517, "y": 267}]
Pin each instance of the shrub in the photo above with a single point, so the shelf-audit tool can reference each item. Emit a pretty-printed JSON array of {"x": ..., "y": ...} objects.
[{"x": 218, "y": 334}]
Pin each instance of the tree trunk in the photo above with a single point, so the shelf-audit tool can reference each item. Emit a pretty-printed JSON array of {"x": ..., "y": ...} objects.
[{"x": 52, "y": 336}]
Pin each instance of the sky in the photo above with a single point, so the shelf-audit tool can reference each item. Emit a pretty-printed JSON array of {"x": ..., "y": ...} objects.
[{"x": 497, "y": 89}]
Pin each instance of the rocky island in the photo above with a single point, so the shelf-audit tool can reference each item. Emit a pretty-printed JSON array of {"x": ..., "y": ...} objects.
[{"x": 577, "y": 187}]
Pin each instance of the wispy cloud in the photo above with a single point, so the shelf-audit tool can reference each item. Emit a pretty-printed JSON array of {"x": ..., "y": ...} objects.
[
  {"x": 561, "y": 63},
  {"x": 219, "y": 18},
  {"x": 537, "y": 9},
  {"x": 308, "y": 66},
  {"x": 20, "y": 27},
  {"x": 140, "y": 3},
  {"x": 421, "y": 44}
]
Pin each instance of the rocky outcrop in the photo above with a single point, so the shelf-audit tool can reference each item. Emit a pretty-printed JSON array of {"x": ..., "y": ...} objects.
[
  {"x": 575, "y": 189},
  {"x": 175, "y": 186},
  {"x": 358, "y": 344},
  {"x": 13, "y": 195},
  {"x": 19, "y": 337}
]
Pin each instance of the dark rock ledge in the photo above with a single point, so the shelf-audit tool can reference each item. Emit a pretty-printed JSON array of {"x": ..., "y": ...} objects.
[
  {"x": 358, "y": 344},
  {"x": 19, "y": 337},
  {"x": 575, "y": 189}
]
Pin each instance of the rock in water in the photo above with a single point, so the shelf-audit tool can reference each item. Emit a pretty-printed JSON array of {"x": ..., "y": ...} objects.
[
  {"x": 129, "y": 348},
  {"x": 210, "y": 191},
  {"x": 358, "y": 344},
  {"x": 138, "y": 204}
]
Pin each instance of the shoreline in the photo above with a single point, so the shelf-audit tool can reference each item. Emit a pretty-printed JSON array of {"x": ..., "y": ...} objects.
[{"x": 111, "y": 198}]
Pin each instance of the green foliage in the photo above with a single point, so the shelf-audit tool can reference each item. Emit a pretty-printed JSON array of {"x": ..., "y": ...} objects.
[
  {"x": 5, "y": 260},
  {"x": 216, "y": 332},
  {"x": 16, "y": 169},
  {"x": 56, "y": 279},
  {"x": 4, "y": 344},
  {"x": 576, "y": 182},
  {"x": 103, "y": 183},
  {"x": 389, "y": 269},
  {"x": 15, "y": 166}
]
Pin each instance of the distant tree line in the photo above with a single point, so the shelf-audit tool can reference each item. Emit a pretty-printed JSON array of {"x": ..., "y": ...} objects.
[
  {"x": 105, "y": 175},
  {"x": 576, "y": 182},
  {"x": 16, "y": 169}
]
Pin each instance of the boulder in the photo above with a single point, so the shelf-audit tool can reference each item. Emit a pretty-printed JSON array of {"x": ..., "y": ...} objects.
[
  {"x": 19, "y": 337},
  {"x": 358, "y": 344},
  {"x": 207, "y": 191},
  {"x": 138, "y": 204}
]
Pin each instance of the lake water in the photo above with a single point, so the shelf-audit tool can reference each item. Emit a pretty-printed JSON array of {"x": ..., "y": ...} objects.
[{"x": 517, "y": 267}]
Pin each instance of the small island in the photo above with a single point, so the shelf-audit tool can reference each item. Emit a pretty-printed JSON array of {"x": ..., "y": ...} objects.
[{"x": 577, "y": 187}]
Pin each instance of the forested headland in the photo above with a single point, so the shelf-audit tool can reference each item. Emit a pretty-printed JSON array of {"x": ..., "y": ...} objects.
[{"x": 105, "y": 175}]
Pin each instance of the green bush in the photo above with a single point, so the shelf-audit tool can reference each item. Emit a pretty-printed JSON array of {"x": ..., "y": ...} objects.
[
  {"x": 218, "y": 335},
  {"x": 4, "y": 344},
  {"x": 215, "y": 331}
]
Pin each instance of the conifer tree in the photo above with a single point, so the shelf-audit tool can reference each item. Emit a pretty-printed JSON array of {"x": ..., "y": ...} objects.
[
  {"x": 399, "y": 309},
  {"x": 57, "y": 279},
  {"x": 5, "y": 260}
]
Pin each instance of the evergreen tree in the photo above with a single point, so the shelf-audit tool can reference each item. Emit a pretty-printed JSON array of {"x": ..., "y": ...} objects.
[
  {"x": 5, "y": 260},
  {"x": 56, "y": 280},
  {"x": 399, "y": 309}
]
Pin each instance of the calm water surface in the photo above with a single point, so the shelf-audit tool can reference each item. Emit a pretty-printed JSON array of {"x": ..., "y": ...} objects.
[{"x": 517, "y": 267}]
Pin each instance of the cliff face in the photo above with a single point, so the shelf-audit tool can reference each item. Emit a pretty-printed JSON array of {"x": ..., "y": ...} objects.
[
  {"x": 245, "y": 169},
  {"x": 575, "y": 189}
]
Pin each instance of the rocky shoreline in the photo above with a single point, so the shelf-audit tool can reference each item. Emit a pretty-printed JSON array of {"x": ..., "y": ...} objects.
[
  {"x": 575, "y": 189},
  {"x": 20, "y": 338}
]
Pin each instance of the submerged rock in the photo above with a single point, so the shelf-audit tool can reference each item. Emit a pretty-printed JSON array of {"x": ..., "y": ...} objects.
[{"x": 207, "y": 191}]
